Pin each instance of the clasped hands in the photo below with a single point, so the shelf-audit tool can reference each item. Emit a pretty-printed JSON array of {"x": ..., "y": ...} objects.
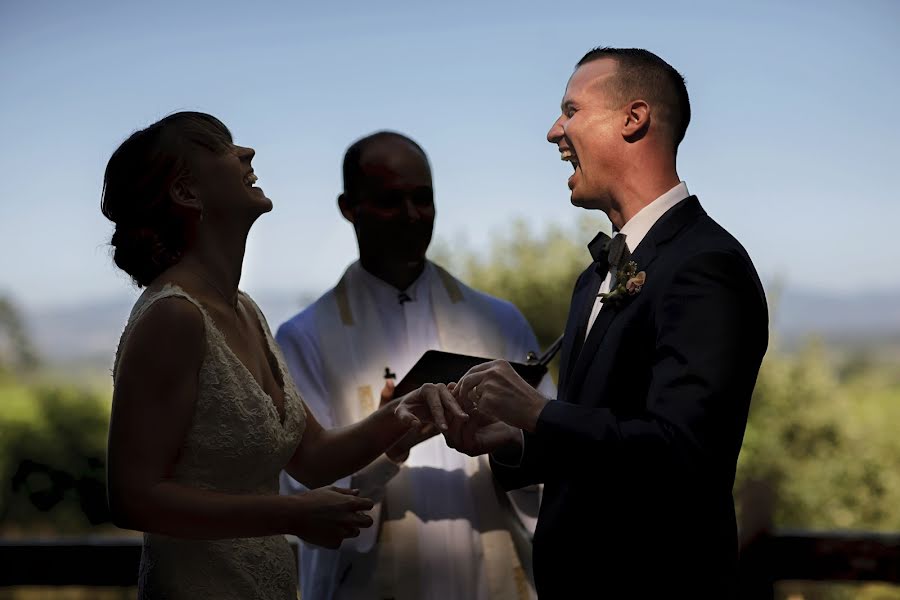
[{"x": 482, "y": 412}]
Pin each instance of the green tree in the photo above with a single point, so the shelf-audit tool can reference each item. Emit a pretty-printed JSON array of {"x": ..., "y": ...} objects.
[
  {"x": 52, "y": 459},
  {"x": 16, "y": 350},
  {"x": 535, "y": 271}
]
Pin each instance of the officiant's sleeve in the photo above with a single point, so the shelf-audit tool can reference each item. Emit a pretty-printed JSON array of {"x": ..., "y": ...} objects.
[
  {"x": 711, "y": 327},
  {"x": 372, "y": 479},
  {"x": 304, "y": 362}
]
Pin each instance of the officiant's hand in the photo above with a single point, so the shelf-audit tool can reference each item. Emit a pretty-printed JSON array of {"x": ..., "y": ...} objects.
[
  {"x": 399, "y": 452},
  {"x": 495, "y": 390},
  {"x": 327, "y": 515},
  {"x": 431, "y": 403}
]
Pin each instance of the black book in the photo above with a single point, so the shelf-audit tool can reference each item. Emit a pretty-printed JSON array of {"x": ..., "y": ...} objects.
[{"x": 437, "y": 366}]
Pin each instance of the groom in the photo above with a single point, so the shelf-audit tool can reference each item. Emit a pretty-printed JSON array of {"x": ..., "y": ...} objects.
[{"x": 665, "y": 335}]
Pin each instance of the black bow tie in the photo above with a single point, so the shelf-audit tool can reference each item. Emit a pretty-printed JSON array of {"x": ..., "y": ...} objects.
[
  {"x": 609, "y": 253},
  {"x": 403, "y": 297}
]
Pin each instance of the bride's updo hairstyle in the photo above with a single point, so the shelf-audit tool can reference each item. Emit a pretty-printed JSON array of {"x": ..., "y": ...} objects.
[{"x": 152, "y": 230}]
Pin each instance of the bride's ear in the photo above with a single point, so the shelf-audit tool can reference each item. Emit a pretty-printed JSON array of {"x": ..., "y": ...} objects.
[
  {"x": 347, "y": 208},
  {"x": 184, "y": 195}
]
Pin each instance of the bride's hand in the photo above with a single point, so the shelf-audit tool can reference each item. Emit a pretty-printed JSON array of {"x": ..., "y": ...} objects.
[
  {"x": 325, "y": 516},
  {"x": 431, "y": 403}
]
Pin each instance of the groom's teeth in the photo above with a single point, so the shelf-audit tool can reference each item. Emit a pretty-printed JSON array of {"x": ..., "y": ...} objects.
[
  {"x": 250, "y": 179},
  {"x": 569, "y": 156}
]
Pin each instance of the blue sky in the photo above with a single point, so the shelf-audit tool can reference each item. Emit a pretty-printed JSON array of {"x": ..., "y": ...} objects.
[{"x": 794, "y": 143}]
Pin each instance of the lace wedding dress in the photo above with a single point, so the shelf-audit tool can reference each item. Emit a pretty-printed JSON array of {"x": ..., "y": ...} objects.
[{"x": 237, "y": 444}]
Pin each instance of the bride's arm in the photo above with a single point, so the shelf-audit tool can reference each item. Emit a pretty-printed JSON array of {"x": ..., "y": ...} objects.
[
  {"x": 326, "y": 455},
  {"x": 153, "y": 404}
]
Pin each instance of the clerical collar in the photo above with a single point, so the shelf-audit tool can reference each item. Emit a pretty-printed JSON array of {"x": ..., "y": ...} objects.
[{"x": 387, "y": 293}]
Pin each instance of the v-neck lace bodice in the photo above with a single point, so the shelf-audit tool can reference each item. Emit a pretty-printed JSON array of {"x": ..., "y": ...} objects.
[{"x": 238, "y": 444}]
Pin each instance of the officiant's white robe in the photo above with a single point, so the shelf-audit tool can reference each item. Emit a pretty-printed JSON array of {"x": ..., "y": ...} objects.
[{"x": 442, "y": 528}]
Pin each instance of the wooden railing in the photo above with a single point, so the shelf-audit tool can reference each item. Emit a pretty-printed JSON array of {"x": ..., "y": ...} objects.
[
  {"x": 767, "y": 559},
  {"x": 88, "y": 562},
  {"x": 834, "y": 556}
]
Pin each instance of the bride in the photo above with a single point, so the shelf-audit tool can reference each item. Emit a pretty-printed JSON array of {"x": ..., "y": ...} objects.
[{"x": 205, "y": 414}]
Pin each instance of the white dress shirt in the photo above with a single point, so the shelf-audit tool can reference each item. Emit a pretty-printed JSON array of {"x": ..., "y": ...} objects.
[{"x": 634, "y": 231}]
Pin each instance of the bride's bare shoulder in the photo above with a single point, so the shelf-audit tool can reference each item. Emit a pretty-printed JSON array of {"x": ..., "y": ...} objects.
[{"x": 169, "y": 332}]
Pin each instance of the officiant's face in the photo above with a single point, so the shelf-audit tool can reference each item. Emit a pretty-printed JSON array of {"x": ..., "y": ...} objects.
[
  {"x": 393, "y": 208},
  {"x": 587, "y": 134}
]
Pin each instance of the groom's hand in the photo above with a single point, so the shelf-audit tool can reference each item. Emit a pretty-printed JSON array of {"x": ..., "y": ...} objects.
[
  {"x": 480, "y": 434},
  {"x": 495, "y": 390}
]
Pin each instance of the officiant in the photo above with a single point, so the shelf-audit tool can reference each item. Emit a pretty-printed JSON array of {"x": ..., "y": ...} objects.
[{"x": 442, "y": 527}]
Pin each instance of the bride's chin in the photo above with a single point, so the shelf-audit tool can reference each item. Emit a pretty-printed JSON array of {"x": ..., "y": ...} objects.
[{"x": 265, "y": 205}]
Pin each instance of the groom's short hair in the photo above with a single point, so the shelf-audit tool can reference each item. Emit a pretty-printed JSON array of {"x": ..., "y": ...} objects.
[
  {"x": 642, "y": 74},
  {"x": 352, "y": 168}
]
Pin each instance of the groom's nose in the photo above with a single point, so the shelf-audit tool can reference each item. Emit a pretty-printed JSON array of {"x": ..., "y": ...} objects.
[{"x": 556, "y": 131}]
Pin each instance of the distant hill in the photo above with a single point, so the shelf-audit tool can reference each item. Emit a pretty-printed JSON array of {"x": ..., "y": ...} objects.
[
  {"x": 88, "y": 333},
  {"x": 855, "y": 316}
]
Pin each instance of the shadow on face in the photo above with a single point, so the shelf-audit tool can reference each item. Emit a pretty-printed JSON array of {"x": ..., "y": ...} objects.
[{"x": 391, "y": 202}]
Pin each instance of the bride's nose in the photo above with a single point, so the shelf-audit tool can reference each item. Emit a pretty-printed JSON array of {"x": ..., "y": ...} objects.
[{"x": 245, "y": 153}]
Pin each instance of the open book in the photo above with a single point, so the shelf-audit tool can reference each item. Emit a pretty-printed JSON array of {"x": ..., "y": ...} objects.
[{"x": 437, "y": 366}]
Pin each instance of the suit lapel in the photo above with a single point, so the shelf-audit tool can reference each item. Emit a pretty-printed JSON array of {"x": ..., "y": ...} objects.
[
  {"x": 673, "y": 221},
  {"x": 582, "y": 303},
  {"x": 583, "y": 360}
]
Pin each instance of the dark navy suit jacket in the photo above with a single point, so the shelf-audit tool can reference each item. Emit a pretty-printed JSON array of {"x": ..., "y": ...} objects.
[{"x": 638, "y": 452}]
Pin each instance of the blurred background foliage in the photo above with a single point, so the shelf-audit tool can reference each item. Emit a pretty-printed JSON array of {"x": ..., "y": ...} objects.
[{"x": 821, "y": 434}]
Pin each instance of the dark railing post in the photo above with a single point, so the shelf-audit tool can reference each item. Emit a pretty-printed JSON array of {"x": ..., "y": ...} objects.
[
  {"x": 755, "y": 574},
  {"x": 88, "y": 562}
]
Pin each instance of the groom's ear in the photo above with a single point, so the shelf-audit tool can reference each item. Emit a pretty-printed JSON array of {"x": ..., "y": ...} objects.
[
  {"x": 347, "y": 206},
  {"x": 637, "y": 120}
]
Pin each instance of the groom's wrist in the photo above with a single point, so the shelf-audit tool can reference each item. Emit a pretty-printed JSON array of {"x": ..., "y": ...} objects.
[
  {"x": 536, "y": 407},
  {"x": 510, "y": 454}
]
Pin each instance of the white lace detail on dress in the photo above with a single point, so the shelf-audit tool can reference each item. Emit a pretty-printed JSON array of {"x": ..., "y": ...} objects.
[{"x": 236, "y": 444}]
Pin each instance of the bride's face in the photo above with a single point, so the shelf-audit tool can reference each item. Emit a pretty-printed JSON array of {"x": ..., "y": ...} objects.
[{"x": 225, "y": 185}]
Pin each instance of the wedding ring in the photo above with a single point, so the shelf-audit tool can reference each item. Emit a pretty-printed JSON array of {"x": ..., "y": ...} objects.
[{"x": 474, "y": 395}]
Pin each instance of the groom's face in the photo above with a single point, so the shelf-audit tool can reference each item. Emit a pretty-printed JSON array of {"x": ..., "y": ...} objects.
[
  {"x": 588, "y": 133},
  {"x": 393, "y": 209}
]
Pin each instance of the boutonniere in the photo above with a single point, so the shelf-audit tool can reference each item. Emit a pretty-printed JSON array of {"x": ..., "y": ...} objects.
[{"x": 629, "y": 282}]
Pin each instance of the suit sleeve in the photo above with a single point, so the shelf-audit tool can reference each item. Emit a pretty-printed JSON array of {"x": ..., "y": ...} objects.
[{"x": 711, "y": 329}]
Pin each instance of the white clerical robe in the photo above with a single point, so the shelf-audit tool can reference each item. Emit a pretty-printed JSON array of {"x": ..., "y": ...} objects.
[{"x": 442, "y": 527}]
